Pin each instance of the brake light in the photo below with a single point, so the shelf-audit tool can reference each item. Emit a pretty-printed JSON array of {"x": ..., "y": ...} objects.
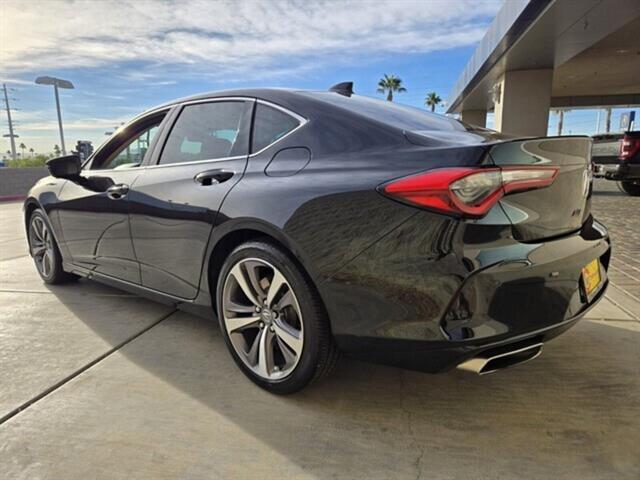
[
  {"x": 628, "y": 148},
  {"x": 467, "y": 192}
]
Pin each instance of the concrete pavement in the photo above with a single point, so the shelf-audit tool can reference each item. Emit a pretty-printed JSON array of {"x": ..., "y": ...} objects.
[
  {"x": 12, "y": 236},
  {"x": 96, "y": 383}
]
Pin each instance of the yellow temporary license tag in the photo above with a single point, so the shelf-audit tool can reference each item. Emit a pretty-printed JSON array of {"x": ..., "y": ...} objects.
[{"x": 591, "y": 276}]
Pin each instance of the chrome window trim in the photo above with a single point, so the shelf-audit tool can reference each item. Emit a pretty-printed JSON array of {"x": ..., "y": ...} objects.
[
  {"x": 217, "y": 99},
  {"x": 195, "y": 162},
  {"x": 303, "y": 121},
  {"x": 93, "y": 173},
  {"x": 146, "y": 167},
  {"x": 206, "y": 160},
  {"x": 119, "y": 131}
]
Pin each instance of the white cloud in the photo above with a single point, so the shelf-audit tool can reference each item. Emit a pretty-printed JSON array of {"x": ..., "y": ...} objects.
[
  {"x": 102, "y": 95},
  {"x": 229, "y": 37},
  {"x": 225, "y": 41},
  {"x": 15, "y": 81},
  {"x": 85, "y": 124}
]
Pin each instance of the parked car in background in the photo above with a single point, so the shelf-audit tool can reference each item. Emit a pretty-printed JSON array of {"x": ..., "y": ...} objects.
[
  {"x": 318, "y": 222},
  {"x": 624, "y": 166},
  {"x": 628, "y": 172}
]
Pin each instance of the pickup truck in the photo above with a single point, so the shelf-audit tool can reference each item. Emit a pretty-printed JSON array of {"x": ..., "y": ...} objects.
[{"x": 625, "y": 169}]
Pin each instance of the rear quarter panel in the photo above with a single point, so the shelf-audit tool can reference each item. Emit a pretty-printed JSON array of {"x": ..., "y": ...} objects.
[
  {"x": 330, "y": 210},
  {"x": 330, "y": 213}
]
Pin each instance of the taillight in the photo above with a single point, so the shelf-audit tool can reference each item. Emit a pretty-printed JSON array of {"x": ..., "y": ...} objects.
[
  {"x": 467, "y": 192},
  {"x": 629, "y": 147}
]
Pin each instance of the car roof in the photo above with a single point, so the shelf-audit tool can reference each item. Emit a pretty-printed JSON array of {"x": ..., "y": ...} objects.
[
  {"x": 302, "y": 99},
  {"x": 307, "y": 103},
  {"x": 272, "y": 94}
]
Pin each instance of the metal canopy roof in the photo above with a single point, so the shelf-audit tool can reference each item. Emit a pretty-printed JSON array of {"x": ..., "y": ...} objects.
[{"x": 592, "y": 45}]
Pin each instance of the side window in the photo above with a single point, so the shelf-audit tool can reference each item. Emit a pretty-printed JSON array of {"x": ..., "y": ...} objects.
[
  {"x": 207, "y": 131},
  {"x": 269, "y": 125},
  {"x": 129, "y": 148},
  {"x": 132, "y": 153}
]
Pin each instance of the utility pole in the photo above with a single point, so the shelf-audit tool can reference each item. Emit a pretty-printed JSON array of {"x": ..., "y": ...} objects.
[
  {"x": 11, "y": 135},
  {"x": 607, "y": 127}
]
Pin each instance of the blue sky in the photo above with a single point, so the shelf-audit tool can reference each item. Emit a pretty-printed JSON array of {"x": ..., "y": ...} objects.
[{"x": 125, "y": 57}]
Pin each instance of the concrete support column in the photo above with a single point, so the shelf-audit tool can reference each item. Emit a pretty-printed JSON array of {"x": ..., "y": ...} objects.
[
  {"x": 523, "y": 102},
  {"x": 474, "y": 117}
]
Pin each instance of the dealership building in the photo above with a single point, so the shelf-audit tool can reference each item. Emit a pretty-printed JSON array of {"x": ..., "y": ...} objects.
[{"x": 543, "y": 55}]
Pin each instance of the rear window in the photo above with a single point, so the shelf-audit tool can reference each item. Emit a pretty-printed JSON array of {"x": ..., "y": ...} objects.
[{"x": 400, "y": 116}]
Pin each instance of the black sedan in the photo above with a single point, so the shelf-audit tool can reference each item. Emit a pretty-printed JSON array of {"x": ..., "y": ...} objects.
[{"x": 314, "y": 223}]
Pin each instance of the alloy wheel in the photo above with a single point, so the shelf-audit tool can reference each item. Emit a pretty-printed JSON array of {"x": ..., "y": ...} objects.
[
  {"x": 41, "y": 243},
  {"x": 262, "y": 318}
]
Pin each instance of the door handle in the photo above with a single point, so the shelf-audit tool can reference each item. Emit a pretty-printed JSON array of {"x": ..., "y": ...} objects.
[
  {"x": 213, "y": 177},
  {"x": 117, "y": 191}
]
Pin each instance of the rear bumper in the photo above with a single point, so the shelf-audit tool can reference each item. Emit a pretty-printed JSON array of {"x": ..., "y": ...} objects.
[
  {"x": 600, "y": 170},
  {"x": 431, "y": 296},
  {"x": 622, "y": 172},
  {"x": 432, "y": 357}
]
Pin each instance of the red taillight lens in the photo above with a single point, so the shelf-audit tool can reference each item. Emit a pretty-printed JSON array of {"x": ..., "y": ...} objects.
[
  {"x": 468, "y": 192},
  {"x": 628, "y": 148}
]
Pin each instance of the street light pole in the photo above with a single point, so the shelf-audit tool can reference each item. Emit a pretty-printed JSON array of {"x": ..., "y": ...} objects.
[
  {"x": 55, "y": 89},
  {"x": 57, "y": 83}
]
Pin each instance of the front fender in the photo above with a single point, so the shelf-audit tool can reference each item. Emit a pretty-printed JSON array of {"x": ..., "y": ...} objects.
[{"x": 45, "y": 196}]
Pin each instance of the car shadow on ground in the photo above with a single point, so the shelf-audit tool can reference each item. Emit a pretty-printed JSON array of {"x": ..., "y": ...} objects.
[{"x": 581, "y": 398}]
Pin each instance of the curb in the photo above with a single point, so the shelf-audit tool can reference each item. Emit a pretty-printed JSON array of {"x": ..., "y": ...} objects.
[{"x": 625, "y": 301}]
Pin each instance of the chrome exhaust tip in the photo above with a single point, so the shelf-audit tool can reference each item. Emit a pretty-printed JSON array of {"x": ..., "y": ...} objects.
[{"x": 492, "y": 363}]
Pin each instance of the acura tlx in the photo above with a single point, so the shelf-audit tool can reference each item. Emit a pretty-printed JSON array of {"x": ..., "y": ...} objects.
[{"x": 313, "y": 223}]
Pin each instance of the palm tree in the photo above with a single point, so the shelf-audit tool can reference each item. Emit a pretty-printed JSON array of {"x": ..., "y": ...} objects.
[
  {"x": 56, "y": 150},
  {"x": 560, "y": 113},
  {"x": 431, "y": 100},
  {"x": 390, "y": 84},
  {"x": 22, "y": 147},
  {"x": 31, "y": 151}
]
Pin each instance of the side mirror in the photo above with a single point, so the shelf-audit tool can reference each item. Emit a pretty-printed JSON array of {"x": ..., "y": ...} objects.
[{"x": 68, "y": 167}]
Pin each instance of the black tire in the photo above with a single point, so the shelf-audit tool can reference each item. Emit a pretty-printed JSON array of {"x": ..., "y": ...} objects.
[
  {"x": 631, "y": 187},
  {"x": 319, "y": 353},
  {"x": 54, "y": 273}
]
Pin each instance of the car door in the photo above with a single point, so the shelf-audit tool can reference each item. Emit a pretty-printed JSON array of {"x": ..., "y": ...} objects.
[
  {"x": 93, "y": 210},
  {"x": 174, "y": 203}
]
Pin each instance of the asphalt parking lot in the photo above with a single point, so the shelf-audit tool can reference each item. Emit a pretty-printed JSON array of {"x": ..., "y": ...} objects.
[{"x": 96, "y": 383}]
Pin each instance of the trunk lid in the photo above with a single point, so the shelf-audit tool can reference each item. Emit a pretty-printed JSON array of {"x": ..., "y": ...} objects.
[{"x": 555, "y": 210}]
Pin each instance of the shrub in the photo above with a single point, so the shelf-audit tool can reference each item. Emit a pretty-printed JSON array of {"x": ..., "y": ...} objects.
[{"x": 37, "y": 161}]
